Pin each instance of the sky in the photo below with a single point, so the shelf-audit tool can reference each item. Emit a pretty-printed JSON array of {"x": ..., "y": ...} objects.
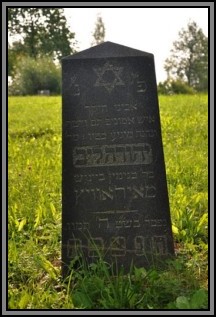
[{"x": 152, "y": 30}]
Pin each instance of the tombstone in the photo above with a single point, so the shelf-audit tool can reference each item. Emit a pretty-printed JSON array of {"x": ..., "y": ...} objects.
[
  {"x": 115, "y": 199},
  {"x": 45, "y": 92}
]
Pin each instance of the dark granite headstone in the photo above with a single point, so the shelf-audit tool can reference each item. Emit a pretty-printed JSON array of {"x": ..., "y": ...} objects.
[{"x": 115, "y": 198}]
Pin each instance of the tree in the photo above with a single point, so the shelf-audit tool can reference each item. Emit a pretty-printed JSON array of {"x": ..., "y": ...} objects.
[
  {"x": 99, "y": 32},
  {"x": 16, "y": 51},
  {"x": 170, "y": 87},
  {"x": 36, "y": 74},
  {"x": 44, "y": 31},
  {"x": 189, "y": 58}
]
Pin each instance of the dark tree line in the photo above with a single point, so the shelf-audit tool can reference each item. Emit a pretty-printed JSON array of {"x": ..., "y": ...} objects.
[{"x": 44, "y": 32}]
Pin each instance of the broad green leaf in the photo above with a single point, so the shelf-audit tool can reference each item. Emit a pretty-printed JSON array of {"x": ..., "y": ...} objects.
[
  {"x": 182, "y": 302},
  {"x": 202, "y": 220},
  {"x": 47, "y": 266},
  {"x": 21, "y": 224},
  {"x": 140, "y": 272},
  {"x": 175, "y": 230},
  {"x": 53, "y": 210},
  {"x": 198, "y": 299},
  {"x": 24, "y": 301}
]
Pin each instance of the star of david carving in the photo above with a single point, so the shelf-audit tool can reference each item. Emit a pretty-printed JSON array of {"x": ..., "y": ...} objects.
[{"x": 108, "y": 76}]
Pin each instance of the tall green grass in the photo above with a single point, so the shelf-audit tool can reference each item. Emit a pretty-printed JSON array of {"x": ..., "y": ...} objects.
[
  {"x": 34, "y": 215},
  {"x": 185, "y": 139}
]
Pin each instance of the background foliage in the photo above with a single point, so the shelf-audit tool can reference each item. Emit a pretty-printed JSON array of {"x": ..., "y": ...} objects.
[
  {"x": 35, "y": 75},
  {"x": 189, "y": 58}
]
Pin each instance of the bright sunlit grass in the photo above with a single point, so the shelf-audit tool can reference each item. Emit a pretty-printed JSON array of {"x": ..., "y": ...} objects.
[{"x": 34, "y": 215}]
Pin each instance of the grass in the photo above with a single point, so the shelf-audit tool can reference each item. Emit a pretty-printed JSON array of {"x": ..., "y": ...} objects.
[{"x": 34, "y": 216}]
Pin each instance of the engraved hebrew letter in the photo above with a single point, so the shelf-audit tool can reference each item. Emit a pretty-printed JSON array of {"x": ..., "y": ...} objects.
[
  {"x": 79, "y": 157},
  {"x": 159, "y": 245},
  {"x": 110, "y": 155},
  {"x": 97, "y": 155},
  {"x": 95, "y": 247},
  {"x": 139, "y": 245},
  {"x": 118, "y": 246},
  {"x": 78, "y": 194},
  {"x": 73, "y": 245}
]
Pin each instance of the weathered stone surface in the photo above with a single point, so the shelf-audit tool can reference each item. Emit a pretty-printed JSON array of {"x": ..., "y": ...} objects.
[{"x": 114, "y": 180}]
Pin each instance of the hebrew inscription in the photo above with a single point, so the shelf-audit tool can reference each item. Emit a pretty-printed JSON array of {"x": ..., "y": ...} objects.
[
  {"x": 113, "y": 193},
  {"x": 118, "y": 246},
  {"x": 106, "y": 155}
]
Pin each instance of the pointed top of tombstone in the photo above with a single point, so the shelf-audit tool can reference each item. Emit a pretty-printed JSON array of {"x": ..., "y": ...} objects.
[{"x": 108, "y": 49}]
